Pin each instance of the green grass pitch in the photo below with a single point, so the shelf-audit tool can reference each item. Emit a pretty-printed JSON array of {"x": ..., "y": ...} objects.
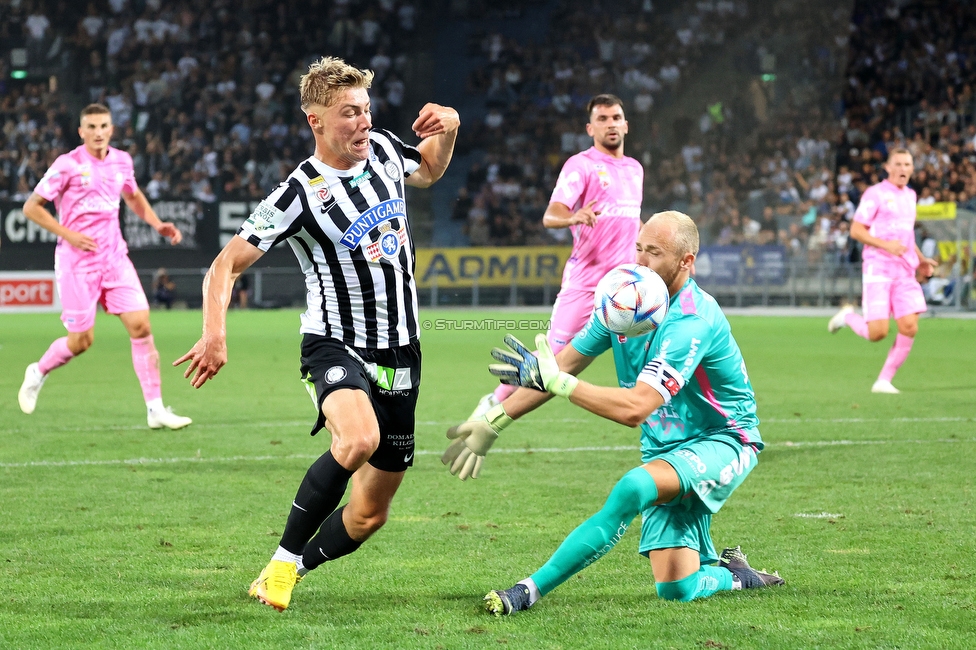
[{"x": 115, "y": 536}]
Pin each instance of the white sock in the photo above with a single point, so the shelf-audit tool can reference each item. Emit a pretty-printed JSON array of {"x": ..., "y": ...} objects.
[
  {"x": 736, "y": 583},
  {"x": 534, "y": 594},
  {"x": 284, "y": 556},
  {"x": 155, "y": 404},
  {"x": 300, "y": 567}
]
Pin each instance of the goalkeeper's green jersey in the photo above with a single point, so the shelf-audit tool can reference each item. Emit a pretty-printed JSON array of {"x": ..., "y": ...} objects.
[{"x": 696, "y": 339}]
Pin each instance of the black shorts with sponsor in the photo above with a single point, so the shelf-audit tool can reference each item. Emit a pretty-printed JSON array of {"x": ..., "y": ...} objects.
[{"x": 390, "y": 377}]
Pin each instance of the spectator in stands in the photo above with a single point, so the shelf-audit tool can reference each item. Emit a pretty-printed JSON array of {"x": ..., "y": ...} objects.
[{"x": 164, "y": 289}]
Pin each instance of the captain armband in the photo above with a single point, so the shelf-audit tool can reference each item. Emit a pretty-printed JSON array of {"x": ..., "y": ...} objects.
[{"x": 659, "y": 375}]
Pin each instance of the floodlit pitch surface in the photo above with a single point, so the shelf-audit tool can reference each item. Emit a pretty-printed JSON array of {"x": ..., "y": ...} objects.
[{"x": 113, "y": 535}]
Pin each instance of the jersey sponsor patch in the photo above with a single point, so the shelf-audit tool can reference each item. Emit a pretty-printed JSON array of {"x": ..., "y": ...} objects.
[
  {"x": 265, "y": 217},
  {"x": 372, "y": 218},
  {"x": 315, "y": 182},
  {"x": 362, "y": 178},
  {"x": 393, "y": 378}
]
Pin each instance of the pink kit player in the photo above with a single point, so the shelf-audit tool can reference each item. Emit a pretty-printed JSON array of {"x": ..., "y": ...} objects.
[
  {"x": 885, "y": 224},
  {"x": 91, "y": 262},
  {"x": 598, "y": 197}
]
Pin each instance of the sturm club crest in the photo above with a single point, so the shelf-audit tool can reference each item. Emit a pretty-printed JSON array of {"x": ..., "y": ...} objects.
[
  {"x": 389, "y": 242},
  {"x": 335, "y": 374},
  {"x": 391, "y": 170}
]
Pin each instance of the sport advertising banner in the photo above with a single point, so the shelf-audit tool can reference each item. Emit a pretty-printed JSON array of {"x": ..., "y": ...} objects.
[
  {"x": 28, "y": 291},
  {"x": 207, "y": 227},
  {"x": 533, "y": 266}
]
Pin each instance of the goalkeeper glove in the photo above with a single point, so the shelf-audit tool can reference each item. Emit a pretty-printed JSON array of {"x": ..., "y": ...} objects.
[
  {"x": 472, "y": 440},
  {"x": 539, "y": 371}
]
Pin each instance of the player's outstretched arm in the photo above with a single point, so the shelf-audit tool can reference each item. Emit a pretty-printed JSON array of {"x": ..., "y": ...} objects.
[
  {"x": 472, "y": 439},
  {"x": 139, "y": 204},
  {"x": 209, "y": 354},
  {"x": 437, "y": 126},
  {"x": 657, "y": 383}
]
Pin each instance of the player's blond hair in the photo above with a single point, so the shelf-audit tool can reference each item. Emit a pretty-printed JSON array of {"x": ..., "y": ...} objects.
[
  {"x": 327, "y": 78},
  {"x": 685, "y": 231}
]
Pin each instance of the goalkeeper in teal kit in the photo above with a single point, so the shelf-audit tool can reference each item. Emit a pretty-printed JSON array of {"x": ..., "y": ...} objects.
[{"x": 687, "y": 387}]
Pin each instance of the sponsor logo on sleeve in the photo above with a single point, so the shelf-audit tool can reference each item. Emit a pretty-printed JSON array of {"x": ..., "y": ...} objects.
[{"x": 265, "y": 217}]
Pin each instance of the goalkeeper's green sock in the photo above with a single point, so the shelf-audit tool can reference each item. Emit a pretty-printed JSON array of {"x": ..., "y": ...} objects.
[
  {"x": 597, "y": 535},
  {"x": 701, "y": 584}
]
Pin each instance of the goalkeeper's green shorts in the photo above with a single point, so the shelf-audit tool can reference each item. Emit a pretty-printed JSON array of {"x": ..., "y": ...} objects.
[{"x": 709, "y": 469}]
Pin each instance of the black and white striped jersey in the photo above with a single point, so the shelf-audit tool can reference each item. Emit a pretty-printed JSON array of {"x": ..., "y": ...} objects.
[{"x": 350, "y": 233}]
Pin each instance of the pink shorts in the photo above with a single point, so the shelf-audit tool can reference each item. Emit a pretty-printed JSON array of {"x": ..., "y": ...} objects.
[
  {"x": 570, "y": 313},
  {"x": 882, "y": 298},
  {"x": 117, "y": 288}
]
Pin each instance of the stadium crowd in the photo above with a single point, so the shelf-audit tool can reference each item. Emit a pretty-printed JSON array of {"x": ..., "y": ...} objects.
[
  {"x": 770, "y": 165},
  {"x": 203, "y": 94}
]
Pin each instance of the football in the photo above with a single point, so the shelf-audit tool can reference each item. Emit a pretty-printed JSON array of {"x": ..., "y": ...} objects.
[{"x": 631, "y": 300}]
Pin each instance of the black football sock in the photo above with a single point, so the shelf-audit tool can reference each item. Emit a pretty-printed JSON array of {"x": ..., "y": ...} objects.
[
  {"x": 320, "y": 492},
  {"x": 331, "y": 543}
]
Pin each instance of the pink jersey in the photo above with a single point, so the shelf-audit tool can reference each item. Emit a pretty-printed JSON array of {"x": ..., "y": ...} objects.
[
  {"x": 85, "y": 191},
  {"x": 617, "y": 185},
  {"x": 889, "y": 213}
]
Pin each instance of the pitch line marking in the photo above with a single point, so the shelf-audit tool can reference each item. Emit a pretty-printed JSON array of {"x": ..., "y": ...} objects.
[
  {"x": 421, "y": 452},
  {"x": 448, "y": 423}
]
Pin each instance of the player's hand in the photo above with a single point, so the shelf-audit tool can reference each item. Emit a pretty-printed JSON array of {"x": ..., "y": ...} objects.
[
  {"x": 523, "y": 368},
  {"x": 585, "y": 215},
  {"x": 206, "y": 357},
  {"x": 170, "y": 232},
  {"x": 472, "y": 440},
  {"x": 80, "y": 241},
  {"x": 435, "y": 119},
  {"x": 895, "y": 247},
  {"x": 518, "y": 367}
]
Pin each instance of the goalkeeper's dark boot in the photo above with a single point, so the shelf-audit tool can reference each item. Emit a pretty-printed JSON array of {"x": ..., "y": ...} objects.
[
  {"x": 734, "y": 560},
  {"x": 509, "y": 601}
]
